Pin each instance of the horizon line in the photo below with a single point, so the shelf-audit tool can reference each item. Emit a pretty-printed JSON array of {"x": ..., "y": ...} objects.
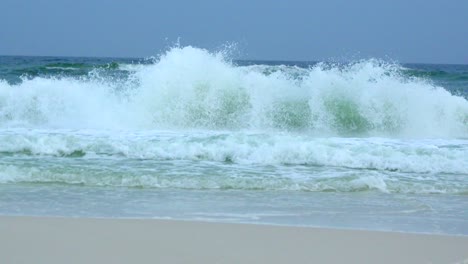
[{"x": 245, "y": 60}]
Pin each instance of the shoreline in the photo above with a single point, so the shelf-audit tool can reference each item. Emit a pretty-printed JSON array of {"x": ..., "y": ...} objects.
[
  {"x": 228, "y": 222},
  {"x": 31, "y": 239}
]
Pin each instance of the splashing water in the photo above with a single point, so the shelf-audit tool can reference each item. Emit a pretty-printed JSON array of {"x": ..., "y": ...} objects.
[
  {"x": 372, "y": 143},
  {"x": 190, "y": 88},
  {"x": 190, "y": 105}
]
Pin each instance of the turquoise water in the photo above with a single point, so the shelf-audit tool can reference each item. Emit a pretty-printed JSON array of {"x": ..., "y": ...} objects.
[{"x": 193, "y": 135}]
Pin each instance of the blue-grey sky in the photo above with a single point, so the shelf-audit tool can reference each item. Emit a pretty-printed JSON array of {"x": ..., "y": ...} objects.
[{"x": 404, "y": 30}]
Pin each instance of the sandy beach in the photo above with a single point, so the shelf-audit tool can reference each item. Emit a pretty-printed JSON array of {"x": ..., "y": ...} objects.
[{"x": 82, "y": 240}]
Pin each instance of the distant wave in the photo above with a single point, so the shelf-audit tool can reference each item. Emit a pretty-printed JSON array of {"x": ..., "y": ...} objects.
[{"x": 191, "y": 88}]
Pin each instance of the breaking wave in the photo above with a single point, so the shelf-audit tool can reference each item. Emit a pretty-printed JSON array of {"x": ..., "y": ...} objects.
[{"x": 191, "y": 88}]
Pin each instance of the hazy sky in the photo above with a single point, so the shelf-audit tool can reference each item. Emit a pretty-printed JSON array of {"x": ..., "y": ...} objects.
[{"x": 404, "y": 30}]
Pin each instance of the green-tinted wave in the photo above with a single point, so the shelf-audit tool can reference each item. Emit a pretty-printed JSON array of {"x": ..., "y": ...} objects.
[{"x": 437, "y": 74}]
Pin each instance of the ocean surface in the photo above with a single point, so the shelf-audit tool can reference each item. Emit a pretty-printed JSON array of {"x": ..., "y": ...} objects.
[{"x": 192, "y": 134}]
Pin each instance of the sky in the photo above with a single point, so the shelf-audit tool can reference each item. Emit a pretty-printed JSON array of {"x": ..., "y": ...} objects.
[{"x": 430, "y": 31}]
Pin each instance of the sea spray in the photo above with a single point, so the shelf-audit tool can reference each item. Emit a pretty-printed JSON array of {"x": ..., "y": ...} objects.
[
  {"x": 195, "y": 135},
  {"x": 194, "y": 119},
  {"x": 191, "y": 88}
]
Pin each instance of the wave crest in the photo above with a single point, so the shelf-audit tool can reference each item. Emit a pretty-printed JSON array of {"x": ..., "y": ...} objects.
[{"x": 190, "y": 88}]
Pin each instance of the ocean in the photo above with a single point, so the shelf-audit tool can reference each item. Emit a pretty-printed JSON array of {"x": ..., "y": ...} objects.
[{"x": 194, "y": 135}]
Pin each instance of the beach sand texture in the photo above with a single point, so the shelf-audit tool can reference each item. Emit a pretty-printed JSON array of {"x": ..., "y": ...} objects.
[{"x": 83, "y": 240}]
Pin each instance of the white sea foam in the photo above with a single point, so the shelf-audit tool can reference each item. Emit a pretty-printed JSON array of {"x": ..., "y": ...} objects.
[
  {"x": 189, "y": 88},
  {"x": 194, "y": 120},
  {"x": 418, "y": 156}
]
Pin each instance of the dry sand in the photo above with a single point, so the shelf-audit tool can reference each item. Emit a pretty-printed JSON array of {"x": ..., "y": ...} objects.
[{"x": 79, "y": 240}]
